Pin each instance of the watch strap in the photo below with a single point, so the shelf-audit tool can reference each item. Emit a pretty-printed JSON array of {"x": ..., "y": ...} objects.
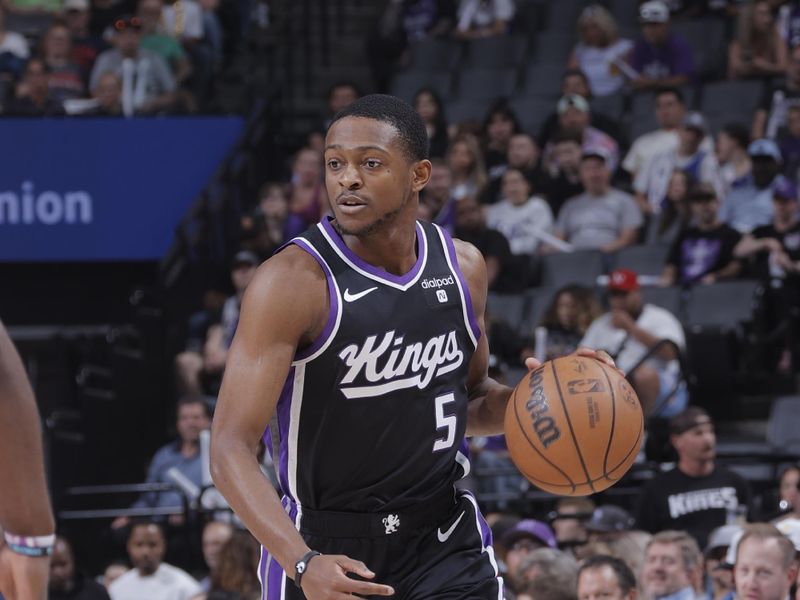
[{"x": 301, "y": 565}]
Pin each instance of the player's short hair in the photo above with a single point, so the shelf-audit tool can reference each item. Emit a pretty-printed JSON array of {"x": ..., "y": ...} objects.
[
  {"x": 767, "y": 531},
  {"x": 400, "y": 115},
  {"x": 690, "y": 551},
  {"x": 625, "y": 577}
]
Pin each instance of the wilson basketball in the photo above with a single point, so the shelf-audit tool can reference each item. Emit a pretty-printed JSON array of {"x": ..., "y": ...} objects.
[{"x": 574, "y": 426}]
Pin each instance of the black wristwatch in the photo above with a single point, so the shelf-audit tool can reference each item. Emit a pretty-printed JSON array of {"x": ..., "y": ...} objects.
[{"x": 301, "y": 565}]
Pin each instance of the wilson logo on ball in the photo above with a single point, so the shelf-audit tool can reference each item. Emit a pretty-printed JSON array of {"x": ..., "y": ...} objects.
[{"x": 543, "y": 424}]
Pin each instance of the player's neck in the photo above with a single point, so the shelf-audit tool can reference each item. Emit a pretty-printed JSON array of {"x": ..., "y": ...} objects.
[{"x": 392, "y": 247}]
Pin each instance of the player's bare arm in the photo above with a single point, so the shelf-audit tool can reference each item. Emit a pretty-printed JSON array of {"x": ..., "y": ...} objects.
[{"x": 285, "y": 308}]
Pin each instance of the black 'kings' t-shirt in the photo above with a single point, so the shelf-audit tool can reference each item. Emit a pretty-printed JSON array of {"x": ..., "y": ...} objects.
[{"x": 696, "y": 253}]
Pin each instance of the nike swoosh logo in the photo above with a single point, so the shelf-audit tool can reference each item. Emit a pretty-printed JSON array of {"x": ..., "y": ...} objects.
[
  {"x": 348, "y": 297},
  {"x": 443, "y": 537}
]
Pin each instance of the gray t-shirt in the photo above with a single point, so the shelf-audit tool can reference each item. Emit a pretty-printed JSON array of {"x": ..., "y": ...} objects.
[
  {"x": 590, "y": 222},
  {"x": 158, "y": 77}
]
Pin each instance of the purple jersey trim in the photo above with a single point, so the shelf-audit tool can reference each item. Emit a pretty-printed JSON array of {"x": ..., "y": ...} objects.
[
  {"x": 451, "y": 251},
  {"x": 373, "y": 270},
  {"x": 284, "y": 415}
]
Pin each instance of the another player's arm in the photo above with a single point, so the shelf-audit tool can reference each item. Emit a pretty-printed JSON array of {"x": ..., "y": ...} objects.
[
  {"x": 25, "y": 509},
  {"x": 285, "y": 306}
]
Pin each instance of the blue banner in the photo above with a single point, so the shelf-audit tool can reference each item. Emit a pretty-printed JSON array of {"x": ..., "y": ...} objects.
[{"x": 103, "y": 189}]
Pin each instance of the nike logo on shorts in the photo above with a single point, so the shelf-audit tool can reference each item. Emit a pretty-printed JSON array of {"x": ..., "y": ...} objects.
[
  {"x": 444, "y": 536},
  {"x": 348, "y": 297}
]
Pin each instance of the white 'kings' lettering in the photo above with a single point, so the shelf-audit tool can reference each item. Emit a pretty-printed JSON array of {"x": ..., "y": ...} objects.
[{"x": 388, "y": 365}]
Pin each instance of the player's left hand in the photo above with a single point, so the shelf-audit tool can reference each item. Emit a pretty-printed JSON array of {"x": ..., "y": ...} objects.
[{"x": 23, "y": 577}]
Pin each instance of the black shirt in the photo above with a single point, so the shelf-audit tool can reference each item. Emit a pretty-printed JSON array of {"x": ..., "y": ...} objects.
[
  {"x": 789, "y": 239},
  {"x": 85, "y": 589},
  {"x": 559, "y": 189},
  {"x": 696, "y": 253},
  {"x": 492, "y": 243}
]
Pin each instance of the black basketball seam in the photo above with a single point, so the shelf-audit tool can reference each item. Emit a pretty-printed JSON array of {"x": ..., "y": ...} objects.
[
  {"x": 531, "y": 444},
  {"x": 571, "y": 430},
  {"x": 624, "y": 458},
  {"x": 613, "y": 421}
]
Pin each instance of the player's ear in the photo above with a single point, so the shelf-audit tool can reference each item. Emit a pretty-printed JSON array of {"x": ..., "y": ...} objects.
[{"x": 420, "y": 174}]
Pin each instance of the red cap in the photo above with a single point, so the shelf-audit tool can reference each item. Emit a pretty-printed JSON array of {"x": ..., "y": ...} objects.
[{"x": 623, "y": 280}]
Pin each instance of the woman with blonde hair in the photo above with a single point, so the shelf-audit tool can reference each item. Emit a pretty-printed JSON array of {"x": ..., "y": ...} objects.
[
  {"x": 468, "y": 167},
  {"x": 599, "y": 51},
  {"x": 758, "y": 50}
]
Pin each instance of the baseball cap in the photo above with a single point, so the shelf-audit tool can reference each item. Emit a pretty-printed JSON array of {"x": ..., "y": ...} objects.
[
  {"x": 573, "y": 100},
  {"x": 722, "y": 537},
  {"x": 765, "y": 147},
  {"x": 608, "y": 518},
  {"x": 76, "y": 4},
  {"x": 595, "y": 152},
  {"x": 623, "y": 280},
  {"x": 783, "y": 188},
  {"x": 654, "y": 11},
  {"x": 530, "y": 528},
  {"x": 696, "y": 121},
  {"x": 245, "y": 257},
  {"x": 688, "y": 419}
]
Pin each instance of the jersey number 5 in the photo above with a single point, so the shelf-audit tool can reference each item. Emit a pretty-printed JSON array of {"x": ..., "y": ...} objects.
[{"x": 447, "y": 422}]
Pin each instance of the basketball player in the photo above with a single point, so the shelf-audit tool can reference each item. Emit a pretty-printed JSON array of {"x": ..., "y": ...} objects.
[
  {"x": 365, "y": 338},
  {"x": 25, "y": 517}
]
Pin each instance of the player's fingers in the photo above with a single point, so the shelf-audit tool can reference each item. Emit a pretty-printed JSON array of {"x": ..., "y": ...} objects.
[
  {"x": 354, "y": 566},
  {"x": 366, "y": 588},
  {"x": 532, "y": 364},
  {"x": 600, "y": 355}
]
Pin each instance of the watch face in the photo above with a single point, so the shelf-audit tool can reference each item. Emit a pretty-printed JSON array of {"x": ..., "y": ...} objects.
[{"x": 300, "y": 567}]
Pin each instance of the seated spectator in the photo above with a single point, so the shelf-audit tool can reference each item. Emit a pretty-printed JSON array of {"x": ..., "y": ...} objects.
[
  {"x": 719, "y": 578},
  {"x": 429, "y": 106},
  {"x": 547, "y": 573},
  {"x": 671, "y": 562},
  {"x": 696, "y": 496},
  {"x": 520, "y": 216},
  {"x": 605, "y": 578},
  {"x": 735, "y": 167},
  {"x": 770, "y": 118},
  {"x": 758, "y": 49},
  {"x": 340, "y": 95},
  {"x": 789, "y": 144},
  {"x": 499, "y": 125},
  {"x": 750, "y": 205},
  {"x": 66, "y": 77},
  {"x": 108, "y": 95},
  {"x": 270, "y": 224},
  {"x": 664, "y": 227},
  {"x": 467, "y": 167},
  {"x": 147, "y": 83},
  {"x": 523, "y": 155},
  {"x": 13, "y": 52},
  {"x": 150, "y": 13},
  {"x": 703, "y": 252},
  {"x": 701, "y": 165},
  {"x": 569, "y": 521},
  {"x": 471, "y": 227},
  {"x": 483, "y": 18},
  {"x": 438, "y": 195},
  {"x": 183, "y": 20},
  {"x": 215, "y": 535},
  {"x": 86, "y": 47},
  {"x": 565, "y": 322},
  {"x": 598, "y": 51},
  {"x": 574, "y": 116},
  {"x": 194, "y": 367},
  {"x": 660, "y": 57},
  {"x": 628, "y": 332},
  {"x": 563, "y": 180},
  {"x": 602, "y": 218},
  {"x": 33, "y": 98},
  {"x": 237, "y": 575},
  {"x": 776, "y": 249},
  {"x": 523, "y": 538},
  {"x": 150, "y": 577},
  {"x": 609, "y": 523},
  {"x": 307, "y": 196},
  {"x": 66, "y": 582},
  {"x": 766, "y": 565},
  {"x": 192, "y": 417}
]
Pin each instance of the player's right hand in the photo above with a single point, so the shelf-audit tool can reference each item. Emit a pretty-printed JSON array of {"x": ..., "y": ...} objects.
[{"x": 326, "y": 579}]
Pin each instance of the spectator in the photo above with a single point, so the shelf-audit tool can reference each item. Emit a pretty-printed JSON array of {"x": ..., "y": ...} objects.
[
  {"x": 758, "y": 49},
  {"x": 547, "y": 574},
  {"x": 33, "y": 97},
  {"x": 66, "y": 582},
  {"x": 608, "y": 523},
  {"x": 483, "y": 18},
  {"x": 670, "y": 111},
  {"x": 776, "y": 248},
  {"x": 193, "y": 367},
  {"x": 719, "y": 577},
  {"x": 523, "y": 155},
  {"x": 112, "y": 572},
  {"x": 86, "y": 47},
  {"x": 429, "y": 106},
  {"x": 215, "y": 535},
  {"x": 701, "y": 165},
  {"x": 735, "y": 165},
  {"x": 569, "y": 521},
  {"x": 340, "y": 95},
  {"x": 671, "y": 564},
  {"x": 629, "y": 332},
  {"x": 182, "y": 455},
  {"x": 603, "y": 217},
  {"x": 183, "y": 20},
  {"x": 467, "y": 167},
  {"x": 151, "y": 14},
  {"x": 147, "y": 83},
  {"x": 660, "y": 57},
  {"x": 150, "y": 577},
  {"x": 789, "y": 144},
  {"x": 270, "y": 224},
  {"x": 438, "y": 195},
  {"x": 563, "y": 179},
  {"x": 520, "y": 216},
  {"x": 696, "y": 496},
  {"x": 605, "y": 578},
  {"x": 471, "y": 227},
  {"x": 66, "y": 78},
  {"x": 108, "y": 95},
  {"x": 499, "y": 125},
  {"x": 599, "y": 50},
  {"x": 789, "y": 488},
  {"x": 770, "y": 118},
  {"x": 307, "y": 196},
  {"x": 765, "y": 564},
  {"x": 750, "y": 205},
  {"x": 13, "y": 52},
  {"x": 565, "y": 321},
  {"x": 237, "y": 575},
  {"x": 630, "y": 548},
  {"x": 664, "y": 227},
  {"x": 704, "y": 252},
  {"x": 574, "y": 116},
  {"x": 788, "y": 22}
]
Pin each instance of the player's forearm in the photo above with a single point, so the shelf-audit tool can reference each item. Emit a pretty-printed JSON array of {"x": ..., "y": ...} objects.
[{"x": 487, "y": 409}]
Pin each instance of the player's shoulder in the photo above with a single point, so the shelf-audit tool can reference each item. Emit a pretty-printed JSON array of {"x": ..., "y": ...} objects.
[
  {"x": 469, "y": 257},
  {"x": 290, "y": 272}
]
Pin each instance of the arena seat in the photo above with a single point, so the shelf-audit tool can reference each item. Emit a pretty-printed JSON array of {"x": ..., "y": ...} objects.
[
  {"x": 581, "y": 267},
  {"x": 645, "y": 259},
  {"x": 506, "y": 307},
  {"x": 783, "y": 427},
  {"x": 727, "y": 304},
  {"x": 543, "y": 80},
  {"x": 495, "y": 52},
  {"x": 486, "y": 84},
  {"x": 434, "y": 54},
  {"x": 668, "y": 298},
  {"x": 405, "y": 85}
]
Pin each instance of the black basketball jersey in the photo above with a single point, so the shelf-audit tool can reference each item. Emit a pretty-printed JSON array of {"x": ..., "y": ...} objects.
[{"x": 373, "y": 414}]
